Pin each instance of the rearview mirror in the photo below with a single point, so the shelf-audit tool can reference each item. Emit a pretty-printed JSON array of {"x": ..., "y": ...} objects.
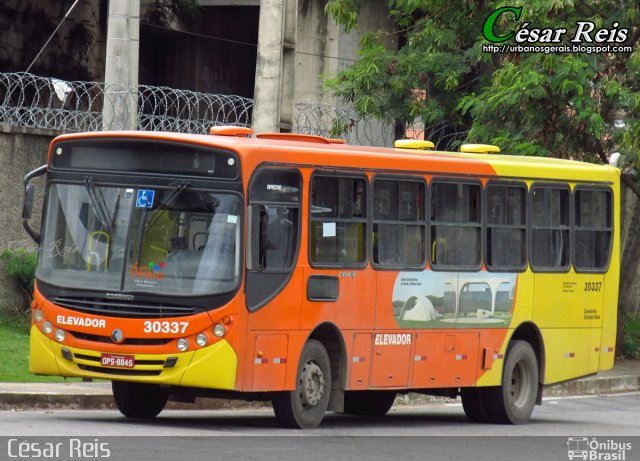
[{"x": 27, "y": 205}]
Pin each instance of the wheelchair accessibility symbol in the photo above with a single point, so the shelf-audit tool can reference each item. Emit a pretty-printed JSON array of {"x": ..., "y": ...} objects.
[{"x": 145, "y": 198}]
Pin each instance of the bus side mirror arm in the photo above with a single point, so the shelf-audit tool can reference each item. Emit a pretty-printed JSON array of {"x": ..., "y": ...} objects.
[
  {"x": 255, "y": 229},
  {"x": 27, "y": 204}
]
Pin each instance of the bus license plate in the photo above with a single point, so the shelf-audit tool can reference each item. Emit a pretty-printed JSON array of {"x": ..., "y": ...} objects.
[{"x": 117, "y": 361}]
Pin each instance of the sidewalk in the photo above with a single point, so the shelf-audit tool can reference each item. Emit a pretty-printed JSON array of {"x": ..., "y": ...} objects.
[{"x": 623, "y": 377}]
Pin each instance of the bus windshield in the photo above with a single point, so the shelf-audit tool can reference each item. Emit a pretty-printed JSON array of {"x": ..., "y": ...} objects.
[{"x": 174, "y": 241}]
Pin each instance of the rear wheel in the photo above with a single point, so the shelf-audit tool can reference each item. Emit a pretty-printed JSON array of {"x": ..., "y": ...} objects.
[
  {"x": 368, "y": 403},
  {"x": 513, "y": 402},
  {"x": 139, "y": 400},
  {"x": 305, "y": 406}
]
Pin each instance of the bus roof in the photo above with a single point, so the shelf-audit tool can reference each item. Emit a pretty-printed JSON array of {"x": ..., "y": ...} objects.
[{"x": 279, "y": 149}]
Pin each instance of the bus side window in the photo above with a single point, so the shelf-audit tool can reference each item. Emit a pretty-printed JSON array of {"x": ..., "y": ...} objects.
[
  {"x": 593, "y": 229},
  {"x": 456, "y": 225},
  {"x": 399, "y": 224},
  {"x": 279, "y": 239},
  {"x": 506, "y": 243},
  {"x": 550, "y": 228},
  {"x": 338, "y": 220}
]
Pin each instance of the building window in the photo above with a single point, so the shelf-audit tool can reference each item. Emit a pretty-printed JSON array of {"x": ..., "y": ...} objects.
[
  {"x": 506, "y": 227},
  {"x": 399, "y": 223},
  {"x": 338, "y": 221},
  {"x": 593, "y": 229},
  {"x": 455, "y": 226}
]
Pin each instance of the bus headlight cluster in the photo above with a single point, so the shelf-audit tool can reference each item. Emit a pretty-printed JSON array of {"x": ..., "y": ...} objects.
[
  {"x": 38, "y": 316},
  {"x": 219, "y": 330},
  {"x": 60, "y": 335},
  {"x": 182, "y": 344},
  {"x": 47, "y": 327},
  {"x": 202, "y": 339}
]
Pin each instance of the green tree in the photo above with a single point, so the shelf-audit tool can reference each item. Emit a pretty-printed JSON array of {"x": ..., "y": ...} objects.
[{"x": 573, "y": 105}]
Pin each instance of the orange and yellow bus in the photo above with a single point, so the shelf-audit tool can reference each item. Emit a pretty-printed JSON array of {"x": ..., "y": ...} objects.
[{"x": 318, "y": 275}]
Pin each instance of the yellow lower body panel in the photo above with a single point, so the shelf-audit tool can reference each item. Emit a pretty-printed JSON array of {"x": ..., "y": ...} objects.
[
  {"x": 212, "y": 367},
  {"x": 570, "y": 353}
]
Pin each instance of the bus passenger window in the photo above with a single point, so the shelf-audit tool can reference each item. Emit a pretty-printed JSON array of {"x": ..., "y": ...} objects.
[
  {"x": 455, "y": 225},
  {"x": 506, "y": 226},
  {"x": 338, "y": 221},
  {"x": 399, "y": 223},
  {"x": 593, "y": 229},
  {"x": 550, "y": 227}
]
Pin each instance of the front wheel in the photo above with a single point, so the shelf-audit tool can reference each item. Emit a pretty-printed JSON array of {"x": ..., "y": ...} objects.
[
  {"x": 304, "y": 407},
  {"x": 513, "y": 402},
  {"x": 139, "y": 400}
]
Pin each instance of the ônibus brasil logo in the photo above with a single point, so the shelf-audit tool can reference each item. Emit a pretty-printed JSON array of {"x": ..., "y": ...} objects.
[
  {"x": 585, "y": 37},
  {"x": 592, "y": 449}
]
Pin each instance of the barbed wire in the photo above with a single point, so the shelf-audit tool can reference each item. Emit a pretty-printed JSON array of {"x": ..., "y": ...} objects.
[
  {"x": 41, "y": 102},
  {"x": 328, "y": 121},
  {"x": 345, "y": 123}
]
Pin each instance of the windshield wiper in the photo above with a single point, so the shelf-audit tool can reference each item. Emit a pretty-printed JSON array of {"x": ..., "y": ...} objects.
[
  {"x": 168, "y": 201},
  {"x": 99, "y": 204}
]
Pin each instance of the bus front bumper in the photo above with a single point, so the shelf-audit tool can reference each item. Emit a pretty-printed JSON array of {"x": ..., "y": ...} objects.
[{"x": 212, "y": 367}]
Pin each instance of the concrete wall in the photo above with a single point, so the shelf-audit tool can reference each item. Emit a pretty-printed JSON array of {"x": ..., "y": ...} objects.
[
  {"x": 323, "y": 49},
  {"x": 21, "y": 150},
  {"x": 77, "y": 50}
]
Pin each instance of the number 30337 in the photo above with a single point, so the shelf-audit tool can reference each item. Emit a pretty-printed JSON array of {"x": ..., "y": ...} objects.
[{"x": 165, "y": 327}]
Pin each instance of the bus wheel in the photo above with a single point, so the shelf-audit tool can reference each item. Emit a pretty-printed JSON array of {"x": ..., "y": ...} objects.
[
  {"x": 513, "y": 402},
  {"x": 139, "y": 400},
  {"x": 305, "y": 407},
  {"x": 368, "y": 403},
  {"x": 474, "y": 404}
]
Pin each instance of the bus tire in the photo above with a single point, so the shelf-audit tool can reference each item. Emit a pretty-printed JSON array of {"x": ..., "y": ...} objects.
[
  {"x": 513, "y": 402},
  {"x": 368, "y": 403},
  {"x": 304, "y": 407},
  {"x": 139, "y": 400},
  {"x": 474, "y": 404}
]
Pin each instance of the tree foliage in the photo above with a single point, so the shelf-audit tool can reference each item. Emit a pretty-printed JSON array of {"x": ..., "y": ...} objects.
[{"x": 572, "y": 105}]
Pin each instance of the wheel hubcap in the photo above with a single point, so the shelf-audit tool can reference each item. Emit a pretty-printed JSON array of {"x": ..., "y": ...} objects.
[
  {"x": 311, "y": 384},
  {"x": 519, "y": 384}
]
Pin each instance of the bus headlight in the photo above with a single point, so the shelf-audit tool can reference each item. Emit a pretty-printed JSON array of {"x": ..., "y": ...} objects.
[
  {"x": 219, "y": 330},
  {"x": 38, "y": 316},
  {"x": 60, "y": 335},
  {"x": 47, "y": 327},
  {"x": 201, "y": 339},
  {"x": 182, "y": 344}
]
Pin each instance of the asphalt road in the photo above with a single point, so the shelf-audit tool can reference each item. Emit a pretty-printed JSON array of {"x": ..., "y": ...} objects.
[{"x": 431, "y": 432}]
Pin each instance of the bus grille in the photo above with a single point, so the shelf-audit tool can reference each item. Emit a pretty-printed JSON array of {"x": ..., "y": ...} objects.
[
  {"x": 126, "y": 342},
  {"x": 136, "y": 310},
  {"x": 119, "y": 371}
]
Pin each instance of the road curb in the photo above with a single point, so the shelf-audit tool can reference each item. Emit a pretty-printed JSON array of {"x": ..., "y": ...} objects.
[
  {"x": 93, "y": 396},
  {"x": 595, "y": 386}
]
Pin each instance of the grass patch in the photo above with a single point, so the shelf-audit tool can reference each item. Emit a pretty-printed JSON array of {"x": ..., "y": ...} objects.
[{"x": 14, "y": 353}]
